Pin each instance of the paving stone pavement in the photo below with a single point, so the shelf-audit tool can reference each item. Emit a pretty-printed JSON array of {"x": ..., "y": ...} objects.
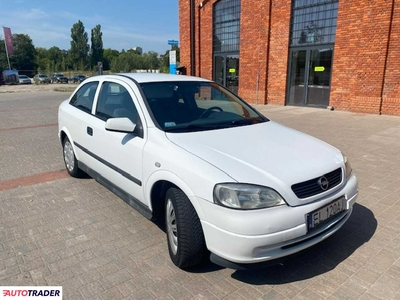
[{"x": 77, "y": 234}]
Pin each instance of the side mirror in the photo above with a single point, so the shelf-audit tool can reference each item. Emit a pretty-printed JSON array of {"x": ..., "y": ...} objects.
[{"x": 120, "y": 125}]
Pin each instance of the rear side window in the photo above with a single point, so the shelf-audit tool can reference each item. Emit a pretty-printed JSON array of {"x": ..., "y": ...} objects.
[{"x": 84, "y": 97}]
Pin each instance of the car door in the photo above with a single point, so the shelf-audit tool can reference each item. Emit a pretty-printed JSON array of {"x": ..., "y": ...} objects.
[
  {"x": 117, "y": 156},
  {"x": 78, "y": 114}
]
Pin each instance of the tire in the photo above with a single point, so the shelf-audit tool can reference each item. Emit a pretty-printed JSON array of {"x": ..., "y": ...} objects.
[
  {"x": 70, "y": 161},
  {"x": 185, "y": 235}
]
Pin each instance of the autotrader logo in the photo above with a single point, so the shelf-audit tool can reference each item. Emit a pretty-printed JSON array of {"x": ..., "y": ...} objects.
[{"x": 31, "y": 292}]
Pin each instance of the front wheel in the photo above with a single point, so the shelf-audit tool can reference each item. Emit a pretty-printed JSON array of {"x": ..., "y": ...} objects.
[
  {"x": 185, "y": 235},
  {"x": 71, "y": 163}
]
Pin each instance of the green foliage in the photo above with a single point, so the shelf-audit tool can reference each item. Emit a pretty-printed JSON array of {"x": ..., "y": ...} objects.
[
  {"x": 131, "y": 60},
  {"x": 23, "y": 58},
  {"x": 78, "y": 54},
  {"x": 108, "y": 56},
  {"x": 3, "y": 56},
  {"x": 96, "y": 48},
  {"x": 42, "y": 60},
  {"x": 51, "y": 60}
]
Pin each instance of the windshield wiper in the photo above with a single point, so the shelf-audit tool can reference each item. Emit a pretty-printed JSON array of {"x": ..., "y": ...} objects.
[
  {"x": 211, "y": 126},
  {"x": 242, "y": 122},
  {"x": 194, "y": 127}
]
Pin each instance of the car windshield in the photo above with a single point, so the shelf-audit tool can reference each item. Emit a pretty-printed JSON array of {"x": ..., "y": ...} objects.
[
  {"x": 186, "y": 106},
  {"x": 43, "y": 76},
  {"x": 23, "y": 76}
]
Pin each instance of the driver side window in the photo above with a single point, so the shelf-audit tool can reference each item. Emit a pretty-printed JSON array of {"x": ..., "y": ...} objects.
[
  {"x": 84, "y": 97},
  {"x": 116, "y": 102}
]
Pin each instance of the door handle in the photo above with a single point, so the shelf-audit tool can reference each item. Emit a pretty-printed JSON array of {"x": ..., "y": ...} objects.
[{"x": 89, "y": 131}]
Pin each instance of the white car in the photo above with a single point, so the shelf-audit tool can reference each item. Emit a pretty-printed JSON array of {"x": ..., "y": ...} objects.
[{"x": 225, "y": 177}]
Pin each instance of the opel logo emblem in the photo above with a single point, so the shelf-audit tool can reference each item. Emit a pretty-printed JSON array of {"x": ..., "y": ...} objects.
[{"x": 323, "y": 183}]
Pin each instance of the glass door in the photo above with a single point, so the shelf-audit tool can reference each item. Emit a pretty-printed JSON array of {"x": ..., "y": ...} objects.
[
  {"x": 226, "y": 71},
  {"x": 219, "y": 67},
  {"x": 297, "y": 77},
  {"x": 310, "y": 76},
  {"x": 232, "y": 73},
  {"x": 319, "y": 77}
]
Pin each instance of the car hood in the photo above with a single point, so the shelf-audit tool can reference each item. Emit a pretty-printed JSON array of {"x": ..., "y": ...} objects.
[{"x": 267, "y": 154}]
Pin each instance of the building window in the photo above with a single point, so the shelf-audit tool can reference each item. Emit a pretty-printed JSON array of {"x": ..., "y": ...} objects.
[
  {"x": 226, "y": 27},
  {"x": 313, "y": 22}
]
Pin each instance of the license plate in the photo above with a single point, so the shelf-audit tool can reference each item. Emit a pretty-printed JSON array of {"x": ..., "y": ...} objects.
[{"x": 317, "y": 217}]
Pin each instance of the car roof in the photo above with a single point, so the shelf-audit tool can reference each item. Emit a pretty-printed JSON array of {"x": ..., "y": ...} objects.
[{"x": 159, "y": 77}]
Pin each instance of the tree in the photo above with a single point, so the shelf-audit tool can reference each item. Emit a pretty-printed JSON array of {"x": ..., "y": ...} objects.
[
  {"x": 132, "y": 60},
  {"x": 23, "y": 58},
  {"x": 109, "y": 55},
  {"x": 55, "y": 56},
  {"x": 125, "y": 62},
  {"x": 51, "y": 60},
  {"x": 42, "y": 59},
  {"x": 3, "y": 56},
  {"x": 96, "y": 48},
  {"x": 78, "y": 54},
  {"x": 151, "y": 60}
]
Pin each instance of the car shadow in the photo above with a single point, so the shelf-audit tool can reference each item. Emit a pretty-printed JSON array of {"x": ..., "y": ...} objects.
[
  {"x": 320, "y": 258},
  {"x": 317, "y": 260}
]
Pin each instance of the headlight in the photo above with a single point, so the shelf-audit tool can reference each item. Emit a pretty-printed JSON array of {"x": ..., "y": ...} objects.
[
  {"x": 347, "y": 166},
  {"x": 246, "y": 196}
]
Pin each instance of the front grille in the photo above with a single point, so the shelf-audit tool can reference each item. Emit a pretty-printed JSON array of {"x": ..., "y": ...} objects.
[{"x": 311, "y": 187}]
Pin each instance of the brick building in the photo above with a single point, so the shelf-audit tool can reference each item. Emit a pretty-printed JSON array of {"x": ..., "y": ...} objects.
[{"x": 344, "y": 54}]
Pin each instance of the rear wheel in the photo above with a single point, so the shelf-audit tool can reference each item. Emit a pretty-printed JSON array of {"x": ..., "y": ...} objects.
[
  {"x": 71, "y": 163},
  {"x": 185, "y": 236}
]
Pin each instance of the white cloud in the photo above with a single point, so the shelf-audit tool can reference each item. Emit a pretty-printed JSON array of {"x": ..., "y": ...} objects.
[{"x": 33, "y": 14}]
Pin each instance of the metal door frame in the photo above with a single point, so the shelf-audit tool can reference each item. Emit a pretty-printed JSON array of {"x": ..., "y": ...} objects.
[
  {"x": 224, "y": 55},
  {"x": 308, "y": 50}
]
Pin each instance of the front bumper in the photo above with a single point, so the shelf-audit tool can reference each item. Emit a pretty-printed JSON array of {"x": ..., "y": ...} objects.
[{"x": 285, "y": 229}]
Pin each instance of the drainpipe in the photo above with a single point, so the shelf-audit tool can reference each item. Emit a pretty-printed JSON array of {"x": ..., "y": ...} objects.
[
  {"x": 386, "y": 57},
  {"x": 268, "y": 49},
  {"x": 201, "y": 5},
  {"x": 192, "y": 39}
]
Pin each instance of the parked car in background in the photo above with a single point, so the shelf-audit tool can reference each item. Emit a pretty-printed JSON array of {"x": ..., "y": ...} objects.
[
  {"x": 41, "y": 78},
  {"x": 23, "y": 79},
  {"x": 59, "y": 78},
  {"x": 77, "y": 78},
  {"x": 222, "y": 176}
]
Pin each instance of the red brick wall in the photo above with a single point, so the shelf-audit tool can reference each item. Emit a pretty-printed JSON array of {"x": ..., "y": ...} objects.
[
  {"x": 254, "y": 59},
  {"x": 254, "y": 31},
  {"x": 359, "y": 80},
  {"x": 203, "y": 36},
  {"x": 204, "y": 39},
  {"x": 359, "y": 55},
  {"x": 184, "y": 33},
  {"x": 279, "y": 50}
]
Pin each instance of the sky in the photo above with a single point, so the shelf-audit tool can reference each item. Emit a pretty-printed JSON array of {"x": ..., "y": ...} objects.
[{"x": 124, "y": 23}]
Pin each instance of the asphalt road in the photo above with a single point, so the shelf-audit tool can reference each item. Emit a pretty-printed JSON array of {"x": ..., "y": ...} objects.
[{"x": 56, "y": 230}]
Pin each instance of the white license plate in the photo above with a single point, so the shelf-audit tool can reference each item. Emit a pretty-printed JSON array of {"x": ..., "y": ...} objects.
[{"x": 317, "y": 217}]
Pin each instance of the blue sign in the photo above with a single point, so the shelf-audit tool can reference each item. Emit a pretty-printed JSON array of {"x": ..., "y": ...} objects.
[
  {"x": 173, "y": 42},
  {"x": 172, "y": 62}
]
